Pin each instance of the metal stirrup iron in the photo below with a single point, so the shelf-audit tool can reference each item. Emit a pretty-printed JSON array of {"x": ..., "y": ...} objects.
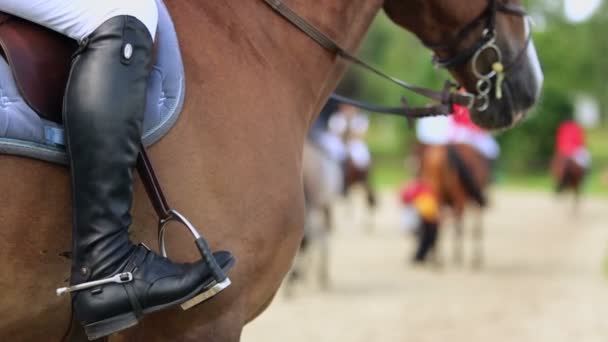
[{"x": 166, "y": 214}]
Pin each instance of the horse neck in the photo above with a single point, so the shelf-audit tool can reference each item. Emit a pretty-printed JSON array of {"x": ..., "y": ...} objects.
[
  {"x": 250, "y": 38},
  {"x": 345, "y": 21},
  {"x": 233, "y": 161}
]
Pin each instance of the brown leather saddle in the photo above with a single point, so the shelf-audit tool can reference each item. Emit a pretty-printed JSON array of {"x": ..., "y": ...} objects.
[{"x": 40, "y": 62}]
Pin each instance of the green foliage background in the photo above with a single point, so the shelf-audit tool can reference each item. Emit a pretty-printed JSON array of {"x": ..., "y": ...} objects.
[{"x": 574, "y": 61}]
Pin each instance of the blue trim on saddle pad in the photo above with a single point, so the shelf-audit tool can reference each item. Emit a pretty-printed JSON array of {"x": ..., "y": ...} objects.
[{"x": 24, "y": 133}]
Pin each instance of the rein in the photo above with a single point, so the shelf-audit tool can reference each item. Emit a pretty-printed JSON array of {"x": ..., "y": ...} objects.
[{"x": 447, "y": 97}]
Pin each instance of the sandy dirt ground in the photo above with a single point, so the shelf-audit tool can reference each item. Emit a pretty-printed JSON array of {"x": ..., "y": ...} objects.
[{"x": 542, "y": 281}]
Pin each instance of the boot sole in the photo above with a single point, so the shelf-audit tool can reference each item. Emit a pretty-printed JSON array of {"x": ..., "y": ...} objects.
[
  {"x": 108, "y": 326},
  {"x": 203, "y": 296}
]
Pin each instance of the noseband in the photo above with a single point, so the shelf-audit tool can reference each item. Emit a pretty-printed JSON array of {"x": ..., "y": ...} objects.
[
  {"x": 485, "y": 43},
  {"x": 448, "y": 96}
]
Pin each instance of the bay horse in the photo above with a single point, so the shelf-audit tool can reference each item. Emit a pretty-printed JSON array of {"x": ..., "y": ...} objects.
[
  {"x": 569, "y": 176},
  {"x": 459, "y": 176},
  {"x": 355, "y": 175},
  {"x": 233, "y": 162}
]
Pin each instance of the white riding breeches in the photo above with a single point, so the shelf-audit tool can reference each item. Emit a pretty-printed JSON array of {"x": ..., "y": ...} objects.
[
  {"x": 333, "y": 146},
  {"x": 434, "y": 130},
  {"x": 483, "y": 142},
  {"x": 79, "y": 18},
  {"x": 582, "y": 157},
  {"x": 359, "y": 154}
]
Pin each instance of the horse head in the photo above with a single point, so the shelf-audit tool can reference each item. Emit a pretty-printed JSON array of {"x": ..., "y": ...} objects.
[{"x": 486, "y": 45}]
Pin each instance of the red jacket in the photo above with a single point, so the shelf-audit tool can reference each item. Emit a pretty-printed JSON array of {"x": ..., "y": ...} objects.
[
  {"x": 570, "y": 138},
  {"x": 414, "y": 189},
  {"x": 461, "y": 117}
]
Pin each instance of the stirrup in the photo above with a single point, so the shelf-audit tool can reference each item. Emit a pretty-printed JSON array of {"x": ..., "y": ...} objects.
[
  {"x": 166, "y": 214},
  {"x": 220, "y": 280}
]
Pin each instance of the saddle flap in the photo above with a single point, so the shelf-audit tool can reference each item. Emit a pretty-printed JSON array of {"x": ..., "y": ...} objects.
[
  {"x": 40, "y": 62},
  {"x": 31, "y": 133}
]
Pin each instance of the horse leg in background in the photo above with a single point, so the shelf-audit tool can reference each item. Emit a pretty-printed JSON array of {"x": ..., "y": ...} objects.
[
  {"x": 324, "y": 280},
  {"x": 328, "y": 217},
  {"x": 576, "y": 197},
  {"x": 458, "y": 237},
  {"x": 565, "y": 178},
  {"x": 372, "y": 202},
  {"x": 478, "y": 255},
  {"x": 316, "y": 238},
  {"x": 298, "y": 269},
  {"x": 371, "y": 196},
  {"x": 581, "y": 173}
]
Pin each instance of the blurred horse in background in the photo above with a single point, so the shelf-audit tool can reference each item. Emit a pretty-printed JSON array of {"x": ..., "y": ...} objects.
[
  {"x": 569, "y": 175},
  {"x": 356, "y": 176},
  {"x": 459, "y": 176},
  {"x": 351, "y": 125},
  {"x": 323, "y": 184}
]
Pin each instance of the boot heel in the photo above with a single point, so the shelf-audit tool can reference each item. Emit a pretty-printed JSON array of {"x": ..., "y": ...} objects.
[
  {"x": 110, "y": 325},
  {"x": 206, "y": 294}
]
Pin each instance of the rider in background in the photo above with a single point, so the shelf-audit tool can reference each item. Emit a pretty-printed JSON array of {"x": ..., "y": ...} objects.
[
  {"x": 326, "y": 133},
  {"x": 457, "y": 129},
  {"x": 103, "y": 114},
  {"x": 357, "y": 124},
  {"x": 569, "y": 145},
  {"x": 342, "y": 137},
  {"x": 420, "y": 215},
  {"x": 464, "y": 131}
]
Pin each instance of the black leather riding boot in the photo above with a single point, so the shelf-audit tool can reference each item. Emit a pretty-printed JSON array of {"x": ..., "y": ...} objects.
[
  {"x": 103, "y": 114},
  {"x": 426, "y": 240}
]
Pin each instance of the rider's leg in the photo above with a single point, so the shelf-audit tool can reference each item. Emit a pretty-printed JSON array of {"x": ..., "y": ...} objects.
[{"x": 103, "y": 114}]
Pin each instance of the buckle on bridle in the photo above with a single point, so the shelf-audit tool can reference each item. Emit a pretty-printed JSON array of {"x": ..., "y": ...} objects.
[{"x": 470, "y": 98}]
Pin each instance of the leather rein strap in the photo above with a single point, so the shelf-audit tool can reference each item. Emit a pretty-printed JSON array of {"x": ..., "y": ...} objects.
[
  {"x": 152, "y": 186},
  {"x": 446, "y": 98}
]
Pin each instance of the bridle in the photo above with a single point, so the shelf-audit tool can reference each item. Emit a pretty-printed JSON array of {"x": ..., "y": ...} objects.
[
  {"x": 486, "y": 43},
  {"x": 448, "y": 96}
]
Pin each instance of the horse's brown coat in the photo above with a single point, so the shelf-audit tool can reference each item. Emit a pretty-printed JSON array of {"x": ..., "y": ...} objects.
[{"x": 232, "y": 164}]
